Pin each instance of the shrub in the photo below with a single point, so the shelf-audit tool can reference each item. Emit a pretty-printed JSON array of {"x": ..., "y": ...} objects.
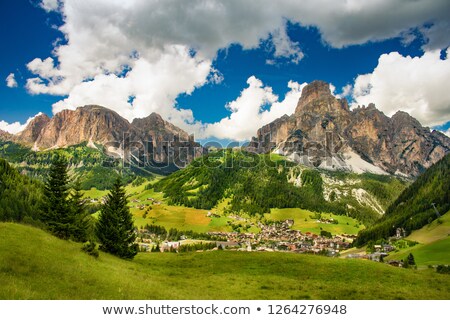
[
  {"x": 90, "y": 248},
  {"x": 443, "y": 269}
]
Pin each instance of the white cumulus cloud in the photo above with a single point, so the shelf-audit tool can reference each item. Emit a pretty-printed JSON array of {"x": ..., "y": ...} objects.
[
  {"x": 103, "y": 35},
  {"x": 416, "y": 85},
  {"x": 284, "y": 47},
  {"x": 256, "y": 106},
  {"x": 153, "y": 87},
  {"x": 49, "y": 5},
  {"x": 11, "y": 81}
]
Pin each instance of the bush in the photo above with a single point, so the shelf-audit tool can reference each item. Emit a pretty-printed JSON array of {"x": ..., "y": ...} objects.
[
  {"x": 443, "y": 269},
  {"x": 326, "y": 234},
  {"x": 90, "y": 248}
]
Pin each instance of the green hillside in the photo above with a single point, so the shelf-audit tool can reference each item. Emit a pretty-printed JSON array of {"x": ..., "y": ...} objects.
[
  {"x": 255, "y": 184},
  {"x": 434, "y": 253},
  {"x": 92, "y": 166},
  {"x": 35, "y": 265},
  {"x": 306, "y": 221},
  {"x": 437, "y": 230},
  {"x": 413, "y": 209},
  {"x": 20, "y": 196},
  {"x": 434, "y": 244}
]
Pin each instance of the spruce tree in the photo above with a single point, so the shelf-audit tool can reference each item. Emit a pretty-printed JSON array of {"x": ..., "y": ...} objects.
[
  {"x": 115, "y": 229},
  {"x": 411, "y": 260},
  {"x": 57, "y": 214},
  {"x": 81, "y": 218}
]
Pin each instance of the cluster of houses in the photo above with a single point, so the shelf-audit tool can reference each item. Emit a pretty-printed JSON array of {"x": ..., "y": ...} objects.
[
  {"x": 165, "y": 246},
  {"x": 274, "y": 237},
  {"x": 280, "y": 237},
  {"x": 142, "y": 206},
  {"x": 380, "y": 251}
]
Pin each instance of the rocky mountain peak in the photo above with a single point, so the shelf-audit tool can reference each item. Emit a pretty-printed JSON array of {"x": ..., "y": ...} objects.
[
  {"x": 34, "y": 128},
  {"x": 323, "y": 132},
  {"x": 317, "y": 98},
  {"x": 5, "y": 135},
  {"x": 153, "y": 120},
  {"x": 403, "y": 118},
  {"x": 151, "y": 137}
]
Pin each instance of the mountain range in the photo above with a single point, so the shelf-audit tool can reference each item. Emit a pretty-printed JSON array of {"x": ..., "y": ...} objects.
[
  {"x": 323, "y": 132},
  {"x": 150, "y": 139}
]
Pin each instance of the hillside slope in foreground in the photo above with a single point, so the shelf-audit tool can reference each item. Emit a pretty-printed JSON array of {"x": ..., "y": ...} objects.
[{"x": 35, "y": 265}]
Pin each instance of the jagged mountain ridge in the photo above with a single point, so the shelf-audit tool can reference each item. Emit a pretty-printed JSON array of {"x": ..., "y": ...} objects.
[
  {"x": 157, "y": 139},
  {"x": 323, "y": 132}
]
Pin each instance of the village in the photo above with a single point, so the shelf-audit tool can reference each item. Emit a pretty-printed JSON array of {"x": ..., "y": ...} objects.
[{"x": 274, "y": 237}]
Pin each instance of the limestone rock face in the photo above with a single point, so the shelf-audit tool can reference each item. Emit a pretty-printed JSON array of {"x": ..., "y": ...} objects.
[
  {"x": 89, "y": 123},
  {"x": 151, "y": 139},
  {"x": 5, "y": 136},
  {"x": 316, "y": 97},
  {"x": 323, "y": 132},
  {"x": 34, "y": 128}
]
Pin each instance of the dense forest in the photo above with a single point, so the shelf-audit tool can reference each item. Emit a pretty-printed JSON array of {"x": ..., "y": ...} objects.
[
  {"x": 20, "y": 196},
  {"x": 93, "y": 167},
  {"x": 414, "y": 207}
]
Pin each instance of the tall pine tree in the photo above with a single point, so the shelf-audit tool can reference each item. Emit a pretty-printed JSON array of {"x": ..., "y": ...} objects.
[
  {"x": 115, "y": 229},
  {"x": 81, "y": 218},
  {"x": 57, "y": 213}
]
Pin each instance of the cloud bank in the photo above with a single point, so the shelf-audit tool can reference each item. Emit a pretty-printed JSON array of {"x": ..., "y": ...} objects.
[
  {"x": 256, "y": 106},
  {"x": 417, "y": 85},
  {"x": 138, "y": 56}
]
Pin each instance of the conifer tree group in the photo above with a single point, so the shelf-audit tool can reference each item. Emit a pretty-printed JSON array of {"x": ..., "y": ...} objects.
[
  {"x": 63, "y": 211},
  {"x": 65, "y": 215}
]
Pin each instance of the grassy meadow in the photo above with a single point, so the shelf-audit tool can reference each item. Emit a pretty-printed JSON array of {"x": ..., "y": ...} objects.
[
  {"x": 36, "y": 265},
  {"x": 304, "y": 222},
  {"x": 436, "y": 230}
]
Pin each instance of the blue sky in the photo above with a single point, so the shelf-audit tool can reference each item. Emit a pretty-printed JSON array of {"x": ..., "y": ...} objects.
[{"x": 215, "y": 80}]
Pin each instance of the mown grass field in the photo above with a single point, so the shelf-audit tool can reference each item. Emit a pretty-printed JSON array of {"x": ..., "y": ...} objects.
[
  {"x": 179, "y": 217},
  {"x": 168, "y": 216},
  {"x": 35, "y": 265},
  {"x": 304, "y": 222}
]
